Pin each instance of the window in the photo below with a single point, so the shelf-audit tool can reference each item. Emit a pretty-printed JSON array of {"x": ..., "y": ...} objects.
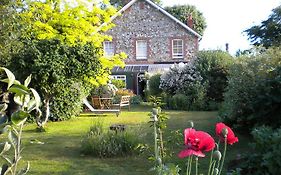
[
  {"x": 120, "y": 78},
  {"x": 141, "y": 49},
  {"x": 108, "y": 48},
  {"x": 177, "y": 47}
]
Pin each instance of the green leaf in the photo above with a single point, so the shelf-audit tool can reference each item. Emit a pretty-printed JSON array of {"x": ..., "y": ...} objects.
[
  {"x": 10, "y": 75},
  {"x": 36, "y": 97},
  {"x": 13, "y": 138},
  {"x": 3, "y": 107},
  {"x": 19, "y": 117},
  {"x": 19, "y": 89},
  {"x": 18, "y": 99},
  {"x": 6, "y": 148},
  {"x": 31, "y": 105},
  {"x": 27, "y": 80}
]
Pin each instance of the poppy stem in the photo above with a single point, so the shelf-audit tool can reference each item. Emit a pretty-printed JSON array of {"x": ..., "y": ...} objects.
[
  {"x": 196, "y": 165},
  {"x": 223, "y": 157},
  {"x": 190, "y": 165},
  {"x": 187, "y": 166},
  {"x": 213, "y": 167},
  {"x": 210, "y": 163}
]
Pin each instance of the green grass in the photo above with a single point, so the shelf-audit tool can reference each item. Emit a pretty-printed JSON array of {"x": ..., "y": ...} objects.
[{"x": 60, "y": 154}]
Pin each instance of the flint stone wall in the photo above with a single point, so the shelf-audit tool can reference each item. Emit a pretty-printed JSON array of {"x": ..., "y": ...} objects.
[{"x": 144, "y": 22}]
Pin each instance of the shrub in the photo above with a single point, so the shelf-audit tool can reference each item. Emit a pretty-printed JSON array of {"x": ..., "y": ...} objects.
[
  {"x": 179, "y": 102},
  {"x": 120, "y": 84},
  {"x": 253, "y": 96},
  {"x": 184, "y": 79},
  {"x": 266, "y": 158},
  {"x": 136, "y": 99},
  {"x": 100, "y": 143},
  {"x": 154, "y": 83},
  {"x": 213, "y": 66}
]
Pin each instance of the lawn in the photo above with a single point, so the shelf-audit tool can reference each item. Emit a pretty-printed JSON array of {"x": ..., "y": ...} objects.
[{"x": 60, "y": 152}]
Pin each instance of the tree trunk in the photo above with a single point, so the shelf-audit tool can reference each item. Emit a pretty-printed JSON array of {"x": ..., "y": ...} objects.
[{"x": 41, "y": 121}]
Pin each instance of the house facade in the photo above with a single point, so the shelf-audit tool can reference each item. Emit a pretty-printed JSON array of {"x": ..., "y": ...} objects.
[{"x": 153, "y": 40}]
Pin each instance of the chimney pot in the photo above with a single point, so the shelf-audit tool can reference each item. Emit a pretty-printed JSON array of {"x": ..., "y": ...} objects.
[{"x": 190, "y": 21}]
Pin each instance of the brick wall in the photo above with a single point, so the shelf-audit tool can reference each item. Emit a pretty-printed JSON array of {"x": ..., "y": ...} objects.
[{"x": 142, "y": 21}]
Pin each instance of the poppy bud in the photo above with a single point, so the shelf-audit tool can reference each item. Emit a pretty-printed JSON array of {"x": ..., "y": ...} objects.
[
  {"x": 159, "y": 161},
  {"x": 224, "y": 132},
  {"x": 191, "y": 124},
  {"x": 216, "y": 171},
  {"x": 217, "y": 155},
  {"x": 154, "y": 111}
]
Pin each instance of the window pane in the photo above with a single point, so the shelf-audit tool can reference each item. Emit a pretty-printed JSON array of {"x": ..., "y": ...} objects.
[
  {"x": 108, "y": 48},
  {"x": 141, "y": 49},
  {"x": 177, "y": 48}
]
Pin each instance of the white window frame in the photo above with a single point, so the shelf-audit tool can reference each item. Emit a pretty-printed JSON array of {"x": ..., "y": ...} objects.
[
  {"x": 108, "y": 48},
  {"x": 179, "y": 54},
  {"x": 141, "y": 54},
  {"x": 119, "y": 77}
]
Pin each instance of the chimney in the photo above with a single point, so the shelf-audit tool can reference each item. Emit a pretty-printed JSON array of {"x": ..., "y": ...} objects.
[
  {"x": 226, "y": 47},
  {"x": 189, "y": 21}
]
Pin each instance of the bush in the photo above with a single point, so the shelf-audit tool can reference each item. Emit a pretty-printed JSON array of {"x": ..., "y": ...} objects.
[
  {"x": 120, "y": 84},
  {"x": 266, "y": 158},
  {"x": 136, "y": 100},
  {"x": 213, "y": 66},
  {"x": 100, "y": 143},
  {"x": 178, "y": 102},
  {"x": 154, "y": 83},
  {"x": 184, "y": 79},
  {"x": 253, "y": 96}
]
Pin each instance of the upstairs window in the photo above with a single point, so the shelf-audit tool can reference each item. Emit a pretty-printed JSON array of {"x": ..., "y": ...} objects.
[
  {"x": 108, "y": 48},
  {"x": 177, "y": 48},
  {"x": 141, "y": 49}
]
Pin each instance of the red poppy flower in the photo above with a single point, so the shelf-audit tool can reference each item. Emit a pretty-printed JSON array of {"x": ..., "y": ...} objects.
[
  {"x": 196, "y": 142},
  {"x": 231, "y": 138}
]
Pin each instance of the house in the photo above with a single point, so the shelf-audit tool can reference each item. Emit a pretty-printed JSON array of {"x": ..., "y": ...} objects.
[{"x": 153, "y": 40}]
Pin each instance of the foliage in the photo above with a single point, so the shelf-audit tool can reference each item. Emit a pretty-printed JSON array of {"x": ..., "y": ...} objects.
[
  {"x": 154, "y": 83},
  {"x": 268, "y": 33},
  {"x": 254, "y": 91},
  {"x": 10, "y": 29},
  {"x": 120, "y": 84},
  {"x": 18, "y": 102},
  {"x": 63, "y": 48},
  {"x": 182, "y": 13},
  {"x": 136, "y": 99},
  {"x": 58, "y": 76},
  {"x": 266, "y": 156},
  {"x": 101, "y": 143},
  {"x": 213, "y": 66},
  {"x": 159, "y": 124},
  {"x": 184, "y": 79}
]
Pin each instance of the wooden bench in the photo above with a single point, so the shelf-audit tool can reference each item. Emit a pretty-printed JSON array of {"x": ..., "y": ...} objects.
[{"x": 124, "y": 101}]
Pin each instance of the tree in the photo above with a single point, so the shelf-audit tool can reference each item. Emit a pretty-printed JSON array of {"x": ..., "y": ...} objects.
[
  {"x": 9, "y": 29},
  {"x": 122, "y": 3},
  {"x": 268, "y": 33},
  {"x": 183, "y": 12},
  {"x": 63, "y": 50}
]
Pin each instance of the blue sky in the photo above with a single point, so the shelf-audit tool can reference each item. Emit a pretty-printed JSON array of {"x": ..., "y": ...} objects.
[{"x": 227, "y": 19}]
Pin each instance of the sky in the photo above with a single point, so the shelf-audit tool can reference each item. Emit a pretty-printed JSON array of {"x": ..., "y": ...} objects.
[{"x": 227, "y": 19}]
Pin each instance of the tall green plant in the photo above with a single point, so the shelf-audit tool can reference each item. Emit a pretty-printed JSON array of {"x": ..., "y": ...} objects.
[
  {"x": 26, "y": 100},
  {"x": 254, "y": 91}
]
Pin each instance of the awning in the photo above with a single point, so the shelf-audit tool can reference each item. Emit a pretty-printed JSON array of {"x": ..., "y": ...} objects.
[{"x": 149, "y": 68}]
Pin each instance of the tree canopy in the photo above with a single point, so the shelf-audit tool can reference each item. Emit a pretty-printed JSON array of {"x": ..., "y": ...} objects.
[
  {"x": 63, "y": 50},
  {"x": 182, "y": 13},
  {"x": 268, "y": 33}
]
